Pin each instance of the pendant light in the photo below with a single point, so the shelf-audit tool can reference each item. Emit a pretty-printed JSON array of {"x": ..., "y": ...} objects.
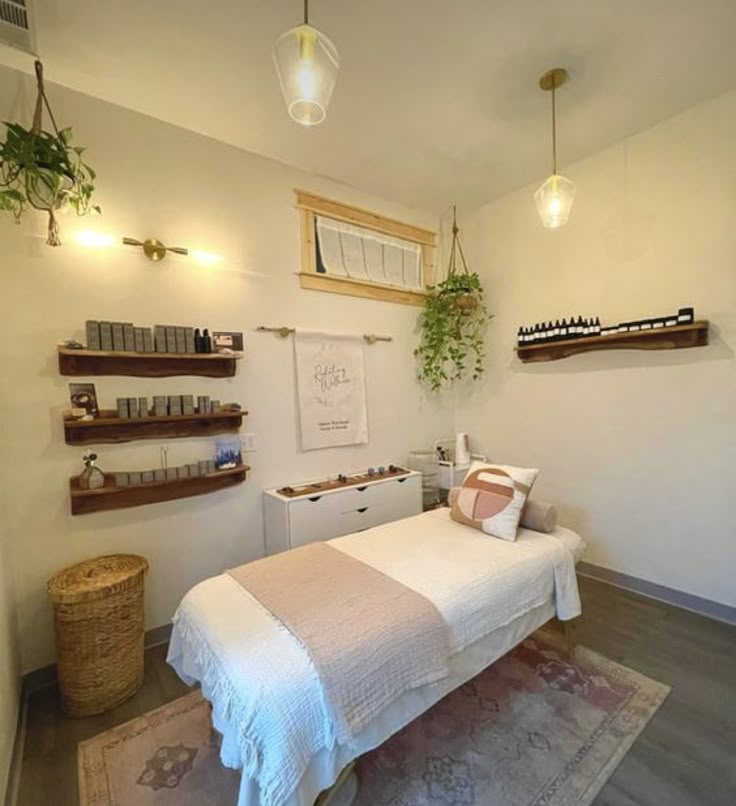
[
  {"x": 307, "y": 64},
  {"x": 555, "y": 197}
]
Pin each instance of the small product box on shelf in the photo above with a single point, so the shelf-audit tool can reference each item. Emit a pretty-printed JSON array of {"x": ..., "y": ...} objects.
[
  {"x": 214, "y": 406},
  {"x": 138, "y": 338},
  {"x": 160, "y": 338},
  {"x": 160, "y": 406},
  {"x": 193, "y": 470},
  {"x": 92, "y": 331},
  {"x": 147, "y": 340},
  {"x": 118, "y": 340},
  {"x": 121, "y": 479},
  {"x": 143, "y": 407},
  {"x": 203, "y": 404},
  {"x": 187, "y": 404},
  {"x": 106, "y": 336},
  {"x": 159, "y": 474},
  {"x": 182, "y": 472},
  {"x": 171, "y": 474},
  {"x": 189, "y": 339},
  {"x": 181, "y": 340},
  {"x": 174, "y": 405},
  {"x": 147, "y": 477},
  {"x": 133, "y": 407},
  {"x": 170, "y": 339},
  {"x": 134, "y": 478},
  {"x": 122, "y": 405},
  {"x": 128, "y": 337}
]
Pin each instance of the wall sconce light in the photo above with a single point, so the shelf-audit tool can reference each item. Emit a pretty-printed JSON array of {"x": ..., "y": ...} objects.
[{"x": 154, "y": 250}]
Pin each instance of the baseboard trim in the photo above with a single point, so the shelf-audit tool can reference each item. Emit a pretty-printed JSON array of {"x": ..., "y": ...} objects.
[
  {"x": 16, "y": 758},
  {"x": 46, "y": 676},
  {"x": 686, "y": 601}
]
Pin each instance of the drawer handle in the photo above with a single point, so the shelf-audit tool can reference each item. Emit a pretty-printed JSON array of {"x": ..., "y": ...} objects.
[
  {"x": 361, "y": 489},
  {"x": 401, "y": 481},
  {"x": 362, "y": 510},
  {"x": 314, "y": 498}
]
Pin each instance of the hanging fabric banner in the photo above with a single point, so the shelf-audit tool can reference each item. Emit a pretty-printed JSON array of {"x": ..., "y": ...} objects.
[{"x": 331, "y": 390}]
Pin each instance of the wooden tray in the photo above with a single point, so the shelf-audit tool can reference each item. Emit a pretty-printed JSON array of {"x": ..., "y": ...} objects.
[{"x": 318, "y": 487}]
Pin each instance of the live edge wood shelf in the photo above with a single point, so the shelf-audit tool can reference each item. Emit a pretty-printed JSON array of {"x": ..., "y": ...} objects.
[
  {"x": 147, "y": 365},
  {"x": 112, "y": 497},
  {"x": 110, "y": 428},
  {"x": 663, "y": 338}
]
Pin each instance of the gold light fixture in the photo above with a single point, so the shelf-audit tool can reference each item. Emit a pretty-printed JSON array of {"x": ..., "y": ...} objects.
[
  {"x": 154, "y": 250},
  {"x": 555, "y": 197},
  {"x": 307, "y": 64}
]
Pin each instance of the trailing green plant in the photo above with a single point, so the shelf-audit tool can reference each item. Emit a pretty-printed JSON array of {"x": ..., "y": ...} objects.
[
  {"x": 44, "y": 170},
  {"x": 453, "y": 325}
]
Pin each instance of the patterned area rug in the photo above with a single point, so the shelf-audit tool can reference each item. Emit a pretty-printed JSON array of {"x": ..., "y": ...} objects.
[{"x": 532, "y": 730}]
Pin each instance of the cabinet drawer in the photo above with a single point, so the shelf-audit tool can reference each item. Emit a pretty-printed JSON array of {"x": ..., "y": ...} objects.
[
  {"x": 402, "y": 498},
  {"x": 358, "y": 497},
  {"x": 363, "y": 518},
  {"x": 312, "y": 519}
]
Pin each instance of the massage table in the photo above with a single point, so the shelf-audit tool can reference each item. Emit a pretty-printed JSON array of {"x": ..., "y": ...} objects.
[{"x": 265, "y": 693}]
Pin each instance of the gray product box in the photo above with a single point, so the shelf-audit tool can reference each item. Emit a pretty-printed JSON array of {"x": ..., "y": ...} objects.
[
  {"x": 160, "y": 406},
  {"x": 202, "y": 463},
  {"x": 122, "y": 404},
  {"x": 189, "y": 338},
  {"x": 211, "y": 466},
  {"x": 121, "y": 479},
  {"x": 118, "y": 340},
  {"x": 129, "y": 337},
  {"x": 159, "y": 332},
  {"x": 214, "y": 406},
  {"x": 138, "y": 338},
  {"x": 203, "y": 404},
  {"x": 134, "y": 478},
  {"x": 147, "y": 477},
  {"x": 187, "y": 404},
  {"x": 133, "y": 407},
  {"x": 182, "y": 472},
  {"x": 193, "y": 470},
  {"x": 143, "y": 407},
  {"x": 170, "y": 339},
  {"x": 174, "y": 404},
  {"x": 106, "y": 336},
  {"x": 147, "y": 339},
  {"x": 171, "y": 474},
  {"x": 159, "y": 474},
  {"x": 181, "y": 340},
  {"x": 92, "y": 330}
]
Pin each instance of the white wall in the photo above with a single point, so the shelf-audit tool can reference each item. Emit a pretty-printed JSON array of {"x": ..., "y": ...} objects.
[
  {"x": 638, "y": 449},
  {"x": 9, "y": 668},
  {"x": 159, "y": 181}
]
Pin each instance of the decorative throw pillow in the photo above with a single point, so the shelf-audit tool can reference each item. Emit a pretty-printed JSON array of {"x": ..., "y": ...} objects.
[{"x": 492, "y": 498}]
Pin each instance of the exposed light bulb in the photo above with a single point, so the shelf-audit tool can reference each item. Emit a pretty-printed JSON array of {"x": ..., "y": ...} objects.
[
  {"x": 92, "y": 239},
  {"x": 554, "y": 201}
]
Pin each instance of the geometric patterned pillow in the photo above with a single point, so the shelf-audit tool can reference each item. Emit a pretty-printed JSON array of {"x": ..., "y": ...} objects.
[{"x": 492, "y": 497}]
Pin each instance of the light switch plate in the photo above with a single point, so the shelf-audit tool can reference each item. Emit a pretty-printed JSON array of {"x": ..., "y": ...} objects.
[{"x": 248, "y": 441}]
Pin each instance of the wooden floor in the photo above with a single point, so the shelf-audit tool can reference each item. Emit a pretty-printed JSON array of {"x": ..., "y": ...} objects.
[{"x": 685, "y": 757}]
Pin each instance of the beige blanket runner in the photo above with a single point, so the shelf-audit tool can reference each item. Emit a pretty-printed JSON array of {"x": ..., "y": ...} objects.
[{"x": 370, "y": 637}]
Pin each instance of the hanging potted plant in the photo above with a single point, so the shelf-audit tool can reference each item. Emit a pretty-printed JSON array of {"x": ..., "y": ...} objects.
[
  {"x": 453, "y": 324},
  {"x": 44, "y": 170}
]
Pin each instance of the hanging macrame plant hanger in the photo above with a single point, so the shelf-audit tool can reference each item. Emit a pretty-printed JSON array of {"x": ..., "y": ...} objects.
[
  {"x": 46, "y": 193},
  {"x": 466, "y": 302}
]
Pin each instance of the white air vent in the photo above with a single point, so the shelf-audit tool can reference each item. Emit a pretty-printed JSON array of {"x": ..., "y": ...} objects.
[{"x": 16, "y": 24}]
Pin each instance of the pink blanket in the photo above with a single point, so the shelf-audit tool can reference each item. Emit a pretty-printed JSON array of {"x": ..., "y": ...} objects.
[{"x": 370, "y": 637}]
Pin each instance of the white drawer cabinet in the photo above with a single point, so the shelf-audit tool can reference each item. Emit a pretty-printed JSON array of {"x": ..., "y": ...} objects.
[{"x": 292, "y": 522}]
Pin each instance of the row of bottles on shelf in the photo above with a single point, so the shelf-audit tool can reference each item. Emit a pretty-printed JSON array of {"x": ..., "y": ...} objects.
[
  {"x": 559, "y": 330},
  {"x": 581, "y": 328}
]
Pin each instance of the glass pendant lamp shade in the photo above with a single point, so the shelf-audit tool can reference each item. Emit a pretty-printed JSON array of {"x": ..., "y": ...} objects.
[
  {"x": 307, "y": 64},
  {"x": 555, "y": 197},
  {"x": 554, "y": 201}
]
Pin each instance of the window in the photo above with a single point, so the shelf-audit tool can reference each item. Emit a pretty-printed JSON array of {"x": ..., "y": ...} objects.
[{"x": 346, "y": 250}]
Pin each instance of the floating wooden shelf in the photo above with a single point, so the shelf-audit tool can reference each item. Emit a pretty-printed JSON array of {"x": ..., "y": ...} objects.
[
  {"x": 146, "y": 365},
  {"x": 108, "y": 427},
  {"x": 662, "y": 338},
  {"x": 112, "y": 497}
]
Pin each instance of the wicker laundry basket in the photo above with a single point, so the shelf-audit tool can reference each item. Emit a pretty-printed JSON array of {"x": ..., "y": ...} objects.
[{"x": 98, "y": 618}]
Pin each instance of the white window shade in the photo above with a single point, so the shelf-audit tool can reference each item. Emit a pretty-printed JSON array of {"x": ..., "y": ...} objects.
[{"x": 359, "y": 253}]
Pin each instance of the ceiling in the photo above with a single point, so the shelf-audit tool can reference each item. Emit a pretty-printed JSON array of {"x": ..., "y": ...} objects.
[{"x": 437, "y": 101}]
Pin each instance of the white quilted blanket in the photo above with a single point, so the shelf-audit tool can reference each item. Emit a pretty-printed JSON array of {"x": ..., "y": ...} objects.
[{"x": 260, "y": 680}]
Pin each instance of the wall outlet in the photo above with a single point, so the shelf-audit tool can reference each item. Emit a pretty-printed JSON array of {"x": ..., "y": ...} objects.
[{"x": 248, "y": 441}]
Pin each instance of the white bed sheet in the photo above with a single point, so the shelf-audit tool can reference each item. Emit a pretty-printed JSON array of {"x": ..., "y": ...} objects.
[{"x": 222, "y": 634}]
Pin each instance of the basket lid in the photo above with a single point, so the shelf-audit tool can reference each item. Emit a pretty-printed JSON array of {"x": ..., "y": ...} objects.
[{"x": 97, "y": 578}]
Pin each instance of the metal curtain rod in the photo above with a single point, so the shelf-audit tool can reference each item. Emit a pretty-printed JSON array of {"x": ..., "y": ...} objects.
[{"x": 371, "y": 338}]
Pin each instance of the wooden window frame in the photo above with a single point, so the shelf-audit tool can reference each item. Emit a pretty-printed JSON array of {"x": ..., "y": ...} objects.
[{"x": 311, "y": 205}]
